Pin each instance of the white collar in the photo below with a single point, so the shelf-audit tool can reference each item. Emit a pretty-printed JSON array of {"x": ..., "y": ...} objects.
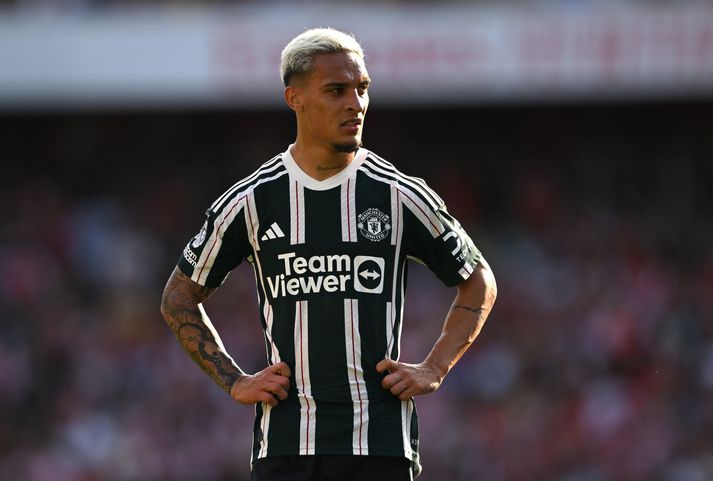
[{"x": 297, "y": 173}]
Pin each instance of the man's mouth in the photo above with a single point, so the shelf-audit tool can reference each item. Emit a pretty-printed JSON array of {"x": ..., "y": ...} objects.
[
  {"x": 352, "y": 122},
  {"x": 351, "y": 126}
]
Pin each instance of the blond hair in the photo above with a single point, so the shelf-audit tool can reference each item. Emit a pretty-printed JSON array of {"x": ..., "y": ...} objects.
[{"x": 298, "y": 56}]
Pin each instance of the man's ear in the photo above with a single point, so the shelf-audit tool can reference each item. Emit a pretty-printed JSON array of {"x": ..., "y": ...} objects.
[{"x": 293, "y": 97}]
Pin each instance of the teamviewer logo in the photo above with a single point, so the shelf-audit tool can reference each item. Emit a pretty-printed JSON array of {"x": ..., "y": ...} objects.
[{"x": 369, "y": 274}]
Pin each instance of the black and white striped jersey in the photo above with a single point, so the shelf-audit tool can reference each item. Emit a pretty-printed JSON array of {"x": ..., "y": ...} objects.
[{"x": 330, "y": 263}]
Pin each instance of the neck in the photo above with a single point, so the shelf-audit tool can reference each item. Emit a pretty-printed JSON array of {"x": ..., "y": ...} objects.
[{"x": 320, "y": 163}]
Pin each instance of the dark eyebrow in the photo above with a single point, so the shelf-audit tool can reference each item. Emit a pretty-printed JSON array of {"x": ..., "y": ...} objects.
[
  {"x": 335, "y": 84},
  {"x": 365, "y": 82}
]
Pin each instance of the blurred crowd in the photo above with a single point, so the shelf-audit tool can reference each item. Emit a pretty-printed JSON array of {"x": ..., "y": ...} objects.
[
  {"x": 596, "y": 365},
  {"x": 74, "y": 6}
]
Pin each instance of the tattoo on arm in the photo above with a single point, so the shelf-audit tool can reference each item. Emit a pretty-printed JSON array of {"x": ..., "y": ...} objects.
[
  {"x": 480, "y": 312},
  {"x": 475, "y": 310},
  {"x": 200, "y": 344},
  {"x": 194, "y": 331}
]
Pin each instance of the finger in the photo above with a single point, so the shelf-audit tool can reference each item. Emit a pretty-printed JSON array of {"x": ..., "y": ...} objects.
[
  {"x": 407, "y": 394},
  {"x": 387, "y": 365},
  {"x": 282, "y": 368},
  {"x": 389, "y": 381},
  {"x": 393, "y": 380},
  {"x": 277, "y": 390},
  {"x": 268, "y": 398},
  {"x": 399, "y": 388},
  {"x": 282, "y": 381}
]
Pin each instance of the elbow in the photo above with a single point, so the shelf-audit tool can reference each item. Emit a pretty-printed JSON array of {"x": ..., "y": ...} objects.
[
  {"x": 490, "y": 287},
  {"x": 480, "y": 288},
  {"x": 165, "y": 306},
  {"x": 180, "y": 295},
  {"x": 168, "y": 306}
]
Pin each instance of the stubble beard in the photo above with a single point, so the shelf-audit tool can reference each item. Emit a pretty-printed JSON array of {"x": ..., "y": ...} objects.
[{"x": 347, "y": 148}]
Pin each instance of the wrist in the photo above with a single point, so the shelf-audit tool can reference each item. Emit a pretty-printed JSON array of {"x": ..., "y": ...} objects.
[
  {"x": 439, "y": 369},
  {"x": 235, "y": 380}
]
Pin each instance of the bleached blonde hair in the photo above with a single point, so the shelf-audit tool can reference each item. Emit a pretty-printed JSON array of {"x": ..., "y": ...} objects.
[{"x": 298, "y": 56}]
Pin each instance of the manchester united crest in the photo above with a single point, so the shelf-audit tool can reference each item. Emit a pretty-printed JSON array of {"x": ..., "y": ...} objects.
[{"x": 374, "y": 224}]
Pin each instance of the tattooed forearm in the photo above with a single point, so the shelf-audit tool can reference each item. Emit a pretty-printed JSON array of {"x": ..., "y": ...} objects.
[
  {"x": 202, "y": 346},
  {"x": 182, "y": 293},
  {"x": 181, "y": 309}
]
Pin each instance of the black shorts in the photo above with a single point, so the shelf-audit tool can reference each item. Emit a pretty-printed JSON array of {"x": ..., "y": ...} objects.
[{"x": 331, "y": 468}]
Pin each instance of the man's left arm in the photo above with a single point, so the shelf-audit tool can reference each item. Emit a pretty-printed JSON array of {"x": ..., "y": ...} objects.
[{"x": 474, "y": 300}]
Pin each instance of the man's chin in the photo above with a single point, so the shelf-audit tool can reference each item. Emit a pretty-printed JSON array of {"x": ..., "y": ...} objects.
[{"x": 347, "y": 147}]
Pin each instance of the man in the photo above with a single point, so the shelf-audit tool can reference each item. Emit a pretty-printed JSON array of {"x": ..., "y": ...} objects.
[{"x": 327, "y": 227}]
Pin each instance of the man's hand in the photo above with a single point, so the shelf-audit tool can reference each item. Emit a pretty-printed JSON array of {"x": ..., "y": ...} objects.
[
  {"x": 407, "y": 380},
  {"x": 269, "y": 386},
  {"x": 464, "y": 320}
]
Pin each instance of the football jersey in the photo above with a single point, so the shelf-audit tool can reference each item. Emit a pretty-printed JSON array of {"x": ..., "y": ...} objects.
[{"x": 330, "y": 262}]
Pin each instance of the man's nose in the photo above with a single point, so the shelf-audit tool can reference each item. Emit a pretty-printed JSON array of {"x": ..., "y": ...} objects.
[{"x": 356, "y": 102}]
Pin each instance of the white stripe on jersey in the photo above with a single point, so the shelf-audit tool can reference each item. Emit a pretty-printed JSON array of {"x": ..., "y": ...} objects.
[
  {"x": 265, "y": 428},
  {"x": 400, "y": 314},
  {"x": 423, "y": 213},
  {"x": 348, "y": 210},
  {"x": 396, "y": 214},
  {"x": 252, "y": 220},
  {"x": 297, "y": 212},
  {"x": 269, "y": 318},
  {"x": 253, "y": 224},
  {"x": 355, "y": 373},
  {"x": 397, "y": 236},
  {"x": 304, "y": 387},
  {"x": 414, "y": 202},
  {"x": 268, "y": 166},
  {"x": 215, "y": 240},
  {"x": 406, "y": 413},
  {"x": 274, "y": 354},
  {"x": 390, "y": 320},
  {"x": 417, "y": 184},
  {"x": 274, "y": 358}
]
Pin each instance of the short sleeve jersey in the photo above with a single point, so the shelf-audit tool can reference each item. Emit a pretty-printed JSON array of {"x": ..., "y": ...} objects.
[{"x": 330, "y": 263}]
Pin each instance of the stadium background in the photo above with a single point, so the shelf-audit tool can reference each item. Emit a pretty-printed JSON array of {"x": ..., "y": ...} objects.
[{"x": 584, "y": 175}]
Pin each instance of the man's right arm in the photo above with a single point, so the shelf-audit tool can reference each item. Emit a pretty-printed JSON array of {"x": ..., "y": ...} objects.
[{"x": 183, "y": 311}]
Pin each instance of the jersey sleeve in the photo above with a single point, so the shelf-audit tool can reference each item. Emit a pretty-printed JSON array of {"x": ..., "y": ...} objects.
[
  {"x": 219, "y": 247},
  {"x": 435, "y": 238}
]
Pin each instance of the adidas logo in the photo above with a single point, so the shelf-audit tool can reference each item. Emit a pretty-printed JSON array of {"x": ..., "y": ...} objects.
[{"x": 273, "y": 232}]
